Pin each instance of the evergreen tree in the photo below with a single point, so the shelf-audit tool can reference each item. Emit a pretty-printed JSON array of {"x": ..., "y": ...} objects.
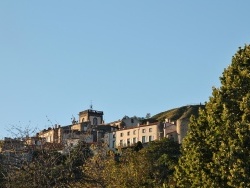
[
  {"x": 162, "y": 156},
  {"x": 216, "y": 151}
]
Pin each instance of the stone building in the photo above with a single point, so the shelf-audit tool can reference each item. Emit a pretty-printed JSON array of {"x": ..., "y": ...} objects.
[
  {"x": 144, "y": 133},
  {"x": 176, "y": 130},
  {"x": 84, "y": 129}
]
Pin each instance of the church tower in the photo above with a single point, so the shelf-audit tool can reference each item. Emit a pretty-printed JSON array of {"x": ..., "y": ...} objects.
[{"x": 94, "y": 117}]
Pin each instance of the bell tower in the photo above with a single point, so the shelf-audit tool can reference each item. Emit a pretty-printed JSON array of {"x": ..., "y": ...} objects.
[{"x": 94, "y": 117}]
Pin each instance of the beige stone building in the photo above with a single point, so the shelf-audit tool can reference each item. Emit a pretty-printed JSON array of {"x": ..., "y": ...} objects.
[
  {"x": 81, "y": 129},
  {"x": 169, "y": 130},
  {"x": 176, "y": 130},
  {"x": 144, "y": 133},
  {"x": 94, "y": 117}
]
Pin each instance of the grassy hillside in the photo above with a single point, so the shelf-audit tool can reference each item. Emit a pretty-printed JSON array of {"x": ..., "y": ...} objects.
[{"x": 179, "y": 113}]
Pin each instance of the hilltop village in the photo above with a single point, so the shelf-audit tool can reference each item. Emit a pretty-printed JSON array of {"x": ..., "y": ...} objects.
[{"x": 90, "y": 128}]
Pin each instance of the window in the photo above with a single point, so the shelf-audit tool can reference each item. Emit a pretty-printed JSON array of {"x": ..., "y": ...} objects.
[
  {"x": 134, "y": 132},
  {"x": 113, "y": 144},
  {"x": 143, "y": 139},
  {"x": 120, "y": 142},
  {"x": 132, "y": 120},
  {"x": 128, "y": 142},
  {"x": 95, "y": 121},
  {"x": 128, "y": 133},
  {"x": 150, "y": 129},
  {"x": 121, "y": 134},
  {"x": 150, "y": 138},
  {"x": 143, "y": 130},
  {"x": 134, "y": 140}
]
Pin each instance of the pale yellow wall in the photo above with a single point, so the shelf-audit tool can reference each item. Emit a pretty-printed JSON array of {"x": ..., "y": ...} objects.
[
  {"x": 76, "y": 127},
  {"x": 137, "y": 132},
  {"x": 48, "y": 135},
  {"x": 85, "y": 116},
  {"x": 182, "y": 129}
]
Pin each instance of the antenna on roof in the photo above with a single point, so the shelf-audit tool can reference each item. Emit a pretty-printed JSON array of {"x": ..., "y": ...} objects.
[{"x": 91, "y": 106}]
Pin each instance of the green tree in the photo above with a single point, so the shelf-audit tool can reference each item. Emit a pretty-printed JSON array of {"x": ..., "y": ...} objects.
[
  {"x": 104, "y": 171},
  {"x": 138, "y": 146},
  {"x": 151, "y": 166},
  {"x": 216, "y": 151},
  {"x": 162, "y": 157},
  {"x": 148, "y": 115}
]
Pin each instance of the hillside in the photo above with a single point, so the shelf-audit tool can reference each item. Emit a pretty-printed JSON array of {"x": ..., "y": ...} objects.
[{"x": 179, "y": 113}]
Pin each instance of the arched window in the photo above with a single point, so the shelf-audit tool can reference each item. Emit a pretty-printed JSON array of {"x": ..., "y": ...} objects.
[
  {"x": 95, "y": 121},
  {"x": 82, "y": 119}
]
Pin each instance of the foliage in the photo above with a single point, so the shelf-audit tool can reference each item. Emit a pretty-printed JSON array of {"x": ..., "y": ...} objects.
[
  {"x": 148, "y": 115},
  {"x": 105, "y": 171},
  {"x": 150, "y": 166},
  {"x": 93, "y": 166},
  {"x": 49, "y": 169},
  {"x": 216, "y": 152},
  {"x": 138, "y": 146},
  {"x": 1, "y": 172},
  {"x": 162, "y": 157}
]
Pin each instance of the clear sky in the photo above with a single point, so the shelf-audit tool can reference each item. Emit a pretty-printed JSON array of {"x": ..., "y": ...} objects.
[{"x": 127, "y": 57}]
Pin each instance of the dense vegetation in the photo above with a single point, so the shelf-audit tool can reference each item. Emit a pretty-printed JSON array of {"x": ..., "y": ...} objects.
[
  {"x": 93, "y": 166},
  {"x": 46, "y": 168},
  {"x": 216, "y": 151},
  {"x": 152, "y": 166}
]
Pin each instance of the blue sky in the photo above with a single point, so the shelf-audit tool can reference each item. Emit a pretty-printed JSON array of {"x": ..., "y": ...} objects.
[{"x": 127, "y": 57}]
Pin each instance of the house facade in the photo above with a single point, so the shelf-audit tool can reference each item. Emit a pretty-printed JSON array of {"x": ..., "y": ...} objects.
[
  {"x": 169, "y": 130},
  {"x": 129, "y": 136}
]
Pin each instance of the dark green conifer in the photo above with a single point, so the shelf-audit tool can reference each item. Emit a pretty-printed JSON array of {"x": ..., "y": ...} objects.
[{"x": 216, "y": 151}]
